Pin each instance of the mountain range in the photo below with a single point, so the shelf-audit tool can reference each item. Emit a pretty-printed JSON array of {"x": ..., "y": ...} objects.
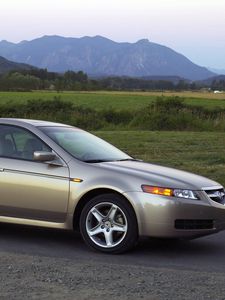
[
  {"x": 217, "y": 71},
  {"x": 100, "y": 56},
  {"x": 210, "y": 80}
]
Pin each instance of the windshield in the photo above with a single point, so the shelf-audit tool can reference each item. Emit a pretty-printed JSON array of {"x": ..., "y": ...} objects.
[{"x": 83, "y": 145}]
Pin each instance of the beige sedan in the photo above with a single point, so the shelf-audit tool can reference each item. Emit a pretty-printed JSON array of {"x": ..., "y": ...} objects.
[{"x": 54, "y": 175}]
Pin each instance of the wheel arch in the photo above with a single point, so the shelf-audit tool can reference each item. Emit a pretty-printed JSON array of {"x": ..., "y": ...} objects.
[{"x": 90, "y": 195}]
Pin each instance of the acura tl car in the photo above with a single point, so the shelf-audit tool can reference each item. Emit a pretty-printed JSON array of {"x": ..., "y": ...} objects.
[{"x": 58, "y": 176}]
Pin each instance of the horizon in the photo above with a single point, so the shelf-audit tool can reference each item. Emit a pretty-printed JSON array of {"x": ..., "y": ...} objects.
[{"x": 192, "y": 28}]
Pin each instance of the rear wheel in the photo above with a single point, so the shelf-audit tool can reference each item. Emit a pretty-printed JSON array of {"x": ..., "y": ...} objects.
[{"x": 108, "y": 223}]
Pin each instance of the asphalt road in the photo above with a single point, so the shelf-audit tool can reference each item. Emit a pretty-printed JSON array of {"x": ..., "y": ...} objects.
[{"x": 52, "y": 264}]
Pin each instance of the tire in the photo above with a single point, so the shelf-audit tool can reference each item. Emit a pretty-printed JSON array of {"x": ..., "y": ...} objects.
[{"x": 108, "y": 224}]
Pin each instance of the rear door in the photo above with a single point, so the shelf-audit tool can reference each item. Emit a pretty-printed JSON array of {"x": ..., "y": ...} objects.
[{"x": 30, "y": 189}]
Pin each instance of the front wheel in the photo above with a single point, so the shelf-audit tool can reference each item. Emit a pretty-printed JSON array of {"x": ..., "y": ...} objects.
[{"x": 108, "y": 223}]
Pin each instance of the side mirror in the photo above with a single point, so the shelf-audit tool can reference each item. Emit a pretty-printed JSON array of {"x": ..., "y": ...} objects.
[{"x": 44, "y": 156}]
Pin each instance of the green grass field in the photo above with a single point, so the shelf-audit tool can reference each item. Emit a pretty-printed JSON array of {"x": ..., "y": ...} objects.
[
  {"x": 199, "y": 152},
  {"x": 115, "y": 100}
]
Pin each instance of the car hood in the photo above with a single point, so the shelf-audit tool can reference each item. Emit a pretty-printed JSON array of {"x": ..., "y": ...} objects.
[{"x": 159, "y": 175}]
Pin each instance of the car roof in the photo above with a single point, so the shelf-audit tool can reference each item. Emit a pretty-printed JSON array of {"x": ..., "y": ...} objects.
[{"x": 36, "y": 123}]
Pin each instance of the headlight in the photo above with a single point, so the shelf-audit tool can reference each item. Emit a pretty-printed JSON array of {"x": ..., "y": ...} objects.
[{"x": 187, "y": 194}]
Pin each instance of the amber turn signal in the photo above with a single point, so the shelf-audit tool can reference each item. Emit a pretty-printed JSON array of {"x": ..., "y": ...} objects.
[{"x": 157, "y": 190}]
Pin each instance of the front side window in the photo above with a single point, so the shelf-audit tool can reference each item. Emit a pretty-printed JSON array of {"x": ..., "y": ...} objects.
[{"x": 16, "y": 142}]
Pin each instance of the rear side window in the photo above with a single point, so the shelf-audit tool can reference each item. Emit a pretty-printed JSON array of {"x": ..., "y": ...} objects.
[{"x": 16, "y": 142}]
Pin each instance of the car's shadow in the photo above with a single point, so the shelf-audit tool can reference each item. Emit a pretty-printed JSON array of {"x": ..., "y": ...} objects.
[
  {"x": 66, "y": 244},
  {"x": 37, "y": 239}
]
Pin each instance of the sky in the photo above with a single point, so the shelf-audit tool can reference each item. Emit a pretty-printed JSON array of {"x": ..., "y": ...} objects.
[{"x": 195, "y": 28}]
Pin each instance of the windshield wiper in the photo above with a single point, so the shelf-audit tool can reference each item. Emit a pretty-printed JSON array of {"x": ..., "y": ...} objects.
[
  {"x": 110, "y": 160},
  {"x": 94, "y": 161},
  {"x": 128, "y": 159}
]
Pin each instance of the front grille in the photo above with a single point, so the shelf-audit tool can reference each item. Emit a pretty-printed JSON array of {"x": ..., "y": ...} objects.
[
  {"x": 217, "y": 195},
  {"x": 194, "y": 224}
]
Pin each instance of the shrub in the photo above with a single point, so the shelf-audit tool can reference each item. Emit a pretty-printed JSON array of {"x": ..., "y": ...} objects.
[{"x": 163, "y": 114}]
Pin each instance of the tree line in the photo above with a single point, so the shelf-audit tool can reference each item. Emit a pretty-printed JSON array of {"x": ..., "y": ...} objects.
[{"x": 41, "y": 79}]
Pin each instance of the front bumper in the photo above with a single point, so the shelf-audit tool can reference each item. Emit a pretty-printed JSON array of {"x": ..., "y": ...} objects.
[{"x": 158, "y": 216}]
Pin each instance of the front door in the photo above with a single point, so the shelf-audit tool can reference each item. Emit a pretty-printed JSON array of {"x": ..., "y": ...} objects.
[{"x": 29, "y": 189}]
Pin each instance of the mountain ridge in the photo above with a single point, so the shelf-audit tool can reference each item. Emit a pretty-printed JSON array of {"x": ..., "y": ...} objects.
[
  {"x": 217, "y": 71},
  {"x": 7, "y": 66},
  {"x": 100, "y": 55}
]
